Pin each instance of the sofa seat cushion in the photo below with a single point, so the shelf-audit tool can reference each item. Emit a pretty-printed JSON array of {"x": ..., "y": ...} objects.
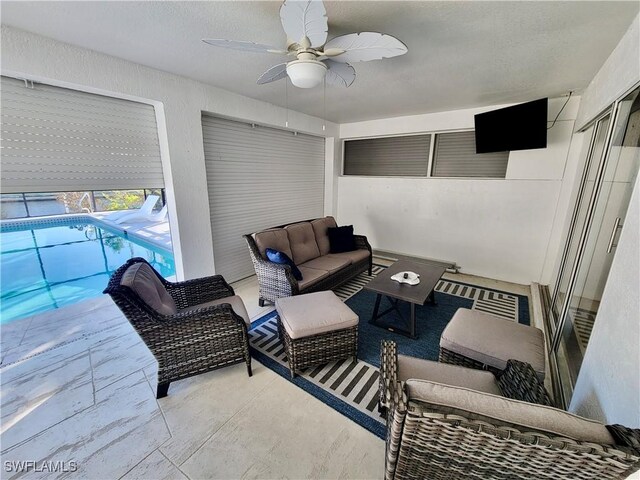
[
  {"x": 455, "y": 375},
  {"x": 236, "y": 304},
  {"x": 311, "y": 276},
  {"x": 141, "y": 278},
  {"x": 320, "y": 229},
  {"x": 331, "y": 264},
  {"x": 276, "y": 239},
  {"x": 314, "y": 313},
  {"x": 302, "y": 241},
  {"x": 528, "y": 416},
  {"x": 493, "y": 340},
  {"x": 353, "y": 257}
]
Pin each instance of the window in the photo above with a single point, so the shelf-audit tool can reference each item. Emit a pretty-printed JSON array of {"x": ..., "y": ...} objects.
[
  {"x": 20, "y": 205},
  {"x": 452, "y": 155},
  {"x": 390, "y": 156},
  {"x": 455, "y": 156}
]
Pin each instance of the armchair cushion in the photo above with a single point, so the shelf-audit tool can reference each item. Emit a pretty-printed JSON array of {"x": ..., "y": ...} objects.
[
  {"x": 236, "y": 304},
  {"x": 341, "y": 239},
  {"x": 282, "y": 258},
  {"x": 420, "y": 369},
  {"x": 530, "y": 416},
  {"x": 302, "y": 241},
  {"x": 141, "y": 278}
]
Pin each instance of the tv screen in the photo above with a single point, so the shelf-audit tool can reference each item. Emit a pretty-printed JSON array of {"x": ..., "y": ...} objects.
[{"x": 520, "y": 127}]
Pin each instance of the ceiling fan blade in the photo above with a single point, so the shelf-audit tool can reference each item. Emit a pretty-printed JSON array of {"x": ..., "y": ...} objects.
[
  {"x": 243, "y": 46},
  {"x": 363, "y": 47},
  {"x": 341, "y": 74},
  {"x": 305, "y": 18},
  {"x": 273, "y": 74}
]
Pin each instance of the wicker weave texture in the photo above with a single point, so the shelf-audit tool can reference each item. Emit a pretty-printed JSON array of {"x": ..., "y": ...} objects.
[
  {"x": 318, "y": 349},
  {"x": 187, "y": 343},
  {"x": 447, "y": 356},
  {"x": 436, "y": 442},
  {"x": 519, "y": 381},
  {"x": 276, "y": 280}
]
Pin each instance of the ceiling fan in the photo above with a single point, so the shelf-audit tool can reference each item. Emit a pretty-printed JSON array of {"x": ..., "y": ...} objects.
[{"x": 305, "y": 23}]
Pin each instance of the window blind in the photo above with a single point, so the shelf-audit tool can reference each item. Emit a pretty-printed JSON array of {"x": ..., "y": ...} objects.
[
  {"x": 455, "y": 156},
  {"x": 56, "y": 139},
  {"x": 389, "y": 156},
  {"x": 258, "y": 177}
]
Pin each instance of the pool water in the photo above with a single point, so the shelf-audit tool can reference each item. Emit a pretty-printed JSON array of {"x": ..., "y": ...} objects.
[{"x": 50, "y": 266}]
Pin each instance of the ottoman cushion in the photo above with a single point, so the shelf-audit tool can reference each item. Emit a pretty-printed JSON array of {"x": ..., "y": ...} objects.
[
  {"x": 313, "y": 314},
  {"x": 493, "y": 340}
]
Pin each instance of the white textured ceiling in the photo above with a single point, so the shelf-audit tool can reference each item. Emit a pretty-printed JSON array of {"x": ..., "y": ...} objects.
[{"x": 461, "y": 54}]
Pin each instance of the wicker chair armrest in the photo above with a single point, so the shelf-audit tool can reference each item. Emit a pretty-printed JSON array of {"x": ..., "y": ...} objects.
[
  {"x": 625, "y": 437},
  {"x": 362, "y": 242},
  {"x": 199, "y": 290},
  {"x": 388, "y": 372},
  {"x": 215, "y": 316},
  {"x": 519, "y": 382},
  {"x": 279, "y": 274}
]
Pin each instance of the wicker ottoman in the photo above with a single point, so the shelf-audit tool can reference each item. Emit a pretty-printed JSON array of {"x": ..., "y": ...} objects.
[
  {"x": 316, "y": 328},
  {"x": 481, "y": 340}
]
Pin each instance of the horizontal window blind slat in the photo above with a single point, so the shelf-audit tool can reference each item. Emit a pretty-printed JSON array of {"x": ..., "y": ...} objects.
[
  {"x": 455, "y": 156},
  {"x": 257, "y": 177},
  {"x": 390, "y": 156},
  {"x": 56, "y": 139}
]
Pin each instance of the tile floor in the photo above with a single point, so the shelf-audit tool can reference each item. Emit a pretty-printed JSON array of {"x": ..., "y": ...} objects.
[{"x": 78, "y": 384}]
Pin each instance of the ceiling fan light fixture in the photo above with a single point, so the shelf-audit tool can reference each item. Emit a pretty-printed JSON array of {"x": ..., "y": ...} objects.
[{"x": 306, "y": 73}]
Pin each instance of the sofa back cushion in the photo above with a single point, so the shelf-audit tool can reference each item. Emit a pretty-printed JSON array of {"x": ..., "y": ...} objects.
[
  {"x": 320, "y": 227},
  {"x": 141, "y": 278},
  {"x": 526, "y": 416},
  {"x": 276, "y": 239},
  {"x": 302, "y": 241}
]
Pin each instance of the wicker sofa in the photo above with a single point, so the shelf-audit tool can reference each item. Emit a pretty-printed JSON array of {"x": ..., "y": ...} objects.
[
  {"x": 451, "y": 422},
  {"x": 307, "y": 244}
]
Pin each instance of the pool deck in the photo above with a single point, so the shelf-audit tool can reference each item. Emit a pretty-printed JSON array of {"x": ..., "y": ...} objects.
[{"x": 157, "y": 233}]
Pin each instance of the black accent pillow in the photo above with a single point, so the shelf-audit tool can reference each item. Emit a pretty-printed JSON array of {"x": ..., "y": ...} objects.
[
  {"x": 282, "y": 258},
  {"x": 341, "y": 239}
]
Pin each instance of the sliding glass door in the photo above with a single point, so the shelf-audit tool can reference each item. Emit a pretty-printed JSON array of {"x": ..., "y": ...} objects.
[{"x": 605, "y": 191}]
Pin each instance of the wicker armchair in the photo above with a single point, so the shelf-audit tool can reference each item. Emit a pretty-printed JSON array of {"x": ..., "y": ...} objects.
[
  {"x": 430, "y": 437},
  {"x": 198, "y": 337}
]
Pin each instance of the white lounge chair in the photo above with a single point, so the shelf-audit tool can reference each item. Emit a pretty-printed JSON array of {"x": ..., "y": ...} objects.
[{"x": 141, "y": 214}]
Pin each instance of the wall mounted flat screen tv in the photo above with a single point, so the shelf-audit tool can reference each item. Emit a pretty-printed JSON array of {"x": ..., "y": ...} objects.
[{"x": 520, "y": 127}]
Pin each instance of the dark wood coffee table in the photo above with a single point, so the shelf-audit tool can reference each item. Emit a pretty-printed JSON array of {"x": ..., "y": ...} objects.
[{"x": 414, "y": 294}]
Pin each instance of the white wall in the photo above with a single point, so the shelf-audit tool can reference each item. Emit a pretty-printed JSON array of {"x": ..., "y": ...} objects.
[
  {"x": 619, "y": 73},
  {"x": 179, "y": 102},
  {"x": 498, "y": 228}
]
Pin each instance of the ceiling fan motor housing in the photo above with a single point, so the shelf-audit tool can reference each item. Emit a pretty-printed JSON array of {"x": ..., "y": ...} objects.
[{"x": 306, "y": 72}]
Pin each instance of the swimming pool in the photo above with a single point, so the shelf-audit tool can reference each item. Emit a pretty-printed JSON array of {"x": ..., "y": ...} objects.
[{"x": 51, "y": 264}]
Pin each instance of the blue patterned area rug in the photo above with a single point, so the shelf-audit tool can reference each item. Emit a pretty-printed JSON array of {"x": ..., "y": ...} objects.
[{"x": 352, "y": 388}]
